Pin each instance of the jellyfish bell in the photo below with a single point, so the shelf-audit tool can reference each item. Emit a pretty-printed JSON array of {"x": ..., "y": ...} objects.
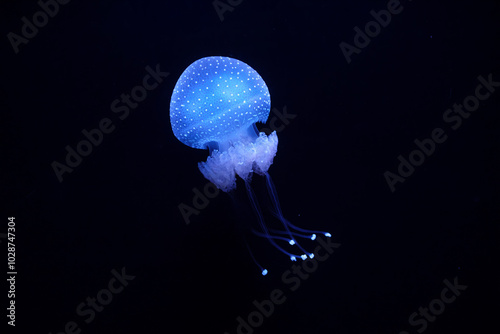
[
  {"x": 215, "y": 105},
  {"x": 214, "y": 97}
]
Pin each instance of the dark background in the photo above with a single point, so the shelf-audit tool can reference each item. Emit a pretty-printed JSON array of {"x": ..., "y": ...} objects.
[{"x": 119, "y": 208}]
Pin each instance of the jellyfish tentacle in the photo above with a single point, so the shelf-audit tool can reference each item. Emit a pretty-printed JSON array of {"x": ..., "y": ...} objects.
[
  {"x": 273, "y": 194},
  {"x": 271, "y": 236},
  {"x": 263, "y": 271},
  {"x": 300, "y": 235},
  {"x": 274, "y": 198},
  {"x": 279, "y": 214},
  {"x": 312, "y": 233},
  {"x": 290, "y": 241},
  {"x": 265, "y": 232}
]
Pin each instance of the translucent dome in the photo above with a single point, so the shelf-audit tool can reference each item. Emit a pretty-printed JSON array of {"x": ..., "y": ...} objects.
[{"x": 215, "y": 98}]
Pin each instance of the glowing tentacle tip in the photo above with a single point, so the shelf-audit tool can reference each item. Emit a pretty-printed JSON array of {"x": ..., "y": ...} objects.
[
  {"x": 313, "y": 237},
  {"x": 328, "y": 235},
  {"x": 303, "y": 257},
  {"x": 311, "y": 255},
  {"x": 292, "y": 242},
  {"x": 293, "y": 258},
  {"x": 264, "y": 272}
]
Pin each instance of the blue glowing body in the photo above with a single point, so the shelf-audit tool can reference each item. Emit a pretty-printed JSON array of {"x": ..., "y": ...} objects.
[
  {"x": 215, "y": 104},
  {"x": 216, "y": 97}
]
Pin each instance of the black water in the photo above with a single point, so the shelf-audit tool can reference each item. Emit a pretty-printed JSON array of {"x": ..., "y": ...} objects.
[{"x": 341, "y": 125}]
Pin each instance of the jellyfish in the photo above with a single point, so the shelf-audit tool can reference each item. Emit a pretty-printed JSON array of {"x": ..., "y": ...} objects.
[{"x": 215, "y": 105}]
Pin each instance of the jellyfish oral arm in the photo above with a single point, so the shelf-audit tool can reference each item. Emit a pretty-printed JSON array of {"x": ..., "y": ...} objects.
[{"x": 248, "y": 154}]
